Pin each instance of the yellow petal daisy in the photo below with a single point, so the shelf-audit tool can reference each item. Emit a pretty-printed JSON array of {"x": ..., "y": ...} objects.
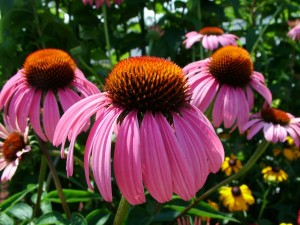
[
  {"x": 274, "y": 174},
  {"x": 231, "y": 164},
  {"x": 236, "y": 198}
]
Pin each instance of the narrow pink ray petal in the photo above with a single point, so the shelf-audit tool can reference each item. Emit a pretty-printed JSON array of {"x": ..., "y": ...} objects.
[
  {"x": 282, "y": 133},
  {"x": 268, "y": 131},
  {"x": 214, "y": 42},
  {"x": 35, "y": 113},
  {"x": 262, "y": 89},
  {"x": 9, "y": 171},
  {"x": 67, "y": 98},
  {"x": 3, "y": 132},
  {"x": 231, "y": 105},
  {"x": 217, "y": 114},
  {"x": 101, "y": 153},
  {"x": 156, "y": 169},
  {"x": 254, "y": 129},
  {"x": 243, "y": 112},
  {"x": 190, "y": 144},
  {"x": 251, "y": 123},
  {"x": 50, "y": 115},
  {"x": 191, "y": 40},
  {"x": 294, "y": 135},
  {"x": 127, "y": 160},
  {"x": 210, "y": 141},
  {"x": 250, "y": 97},
  {"x": 205, "y": 42},
  {"x": 182, "y": 179},
  {"x": 10, "y": 87}
]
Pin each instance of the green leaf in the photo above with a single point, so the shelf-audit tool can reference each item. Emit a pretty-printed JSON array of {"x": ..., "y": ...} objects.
[
  {"x": 5, "y": 219},
  {"x": 98, "y": 217},
  {"x": 51, "y": 218},
  {"x": 198, "y": 212},
  {"x": 71, "y": 196},
  {"x": 11, "y": 201},
  {"x": 77, "y": 219},
  {"x": 21, "y": 211}
]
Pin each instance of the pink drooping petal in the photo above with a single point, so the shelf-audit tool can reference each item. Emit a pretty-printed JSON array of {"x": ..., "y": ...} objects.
[
  {"x": 191, "y": 38},
  {"x": 101, "y": 153},
  {"x": 231, "y": 106},
  {"x": 22, "y": 107},
  {"x": 243, "y": 112},
  {"x": 157, "y": 175},
  {"x": 212, "y": 144},
  {"x": 182, "y": 179},
  {"x": 254, "y": 129},
  {"x": 250, "y": 123},
  {"x": 3, "y": 132},
  {"x": 262, "y": 89},
  {"x": 217, "y": 114},
  {"x": 188, "y": 69},
  {"x": 10, "y": 87},
  {"x": 294, "y": 135},
  {"x": 204, "y": 93},
  {"x": 9, "y": 171},
  {"x": 127, "y": 160},
  {"x": 67, "y": 98},
  {"x": 190, "y": 143},
  {"x": 206, "y": 43},
  {"x": 84, "y": 108},
  {"x": 50, "y": 115},
  {"x": 214, "y": 41},
  {"x": 269, "y": 131},
  {"x": 83, "y": 85},
  {"x": 250, "y": 97},
  {"x": 35, "y": 113}
]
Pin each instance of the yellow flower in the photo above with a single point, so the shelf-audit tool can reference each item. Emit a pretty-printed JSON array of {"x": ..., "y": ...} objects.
[
  {"x": 236, "y": 198},
  {"x": 214, "y": 205},
  {"x": 292, "y": 153},
  {"x": 285, "y": 224},
  {"x": 274, "y": 174},
  {"x": 231, "y": 164}
]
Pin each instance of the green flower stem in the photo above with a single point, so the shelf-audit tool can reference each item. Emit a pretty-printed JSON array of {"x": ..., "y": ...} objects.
[
  {"x": 41, "y": 180},
  {"x": 106, "y": 33},
  {"x": 261, "y": 148},
  {"x": 264, "y": 29},
  {"x": 121, "y": 212},
  {"x": 264, "y": 202},
  {"x": 57, "y": 183}
]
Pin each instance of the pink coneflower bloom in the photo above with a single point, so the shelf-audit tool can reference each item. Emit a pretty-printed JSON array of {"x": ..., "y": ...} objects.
[
  {"x": 162, "y": 141},
  {"x": 99, "y": 3},
  {"x": 48, "y": 75},
  {"x": 13, "y": 144},
  {"x": 294, "y": 33},
  {"x": 211, "y": 38},
  {"x": 227, "y": 79},
  {"x": 276, "y": 125}
]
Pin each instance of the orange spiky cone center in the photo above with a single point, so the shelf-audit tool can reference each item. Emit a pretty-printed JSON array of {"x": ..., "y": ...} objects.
[
  {"x": 147, "y": 84},
  {"x": 231, "y": 65},
  {"x": 211, "y": 31},
  {"x": 12, "y": 144},
  {"x": 275, "y": 116},
  {"x": 49, "y": 69}
]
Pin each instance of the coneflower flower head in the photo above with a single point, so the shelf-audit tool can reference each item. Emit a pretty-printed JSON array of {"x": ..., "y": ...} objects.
[
  {"x": 228, "y": 79},
  {"x": 13, "y": 145},
  {"x": 162, "y": 141},
  {"x": 211, "y": 38},
  {"x": 48, "y": 77},
  {"x": 276, "y": 124},
  {"x": 99, "y": 3}
]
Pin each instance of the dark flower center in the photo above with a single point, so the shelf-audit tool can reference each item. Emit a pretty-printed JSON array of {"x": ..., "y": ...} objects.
[
  {"x": 211, "y": 31},
  {"x": 275, "y": 116},
  {"x": 275, "y": 169},
  {"x": 147, "y": 84},
  {"x": 12, "y": 144},
  {"x": 49, "y": 69},
  {"x": 236, "y": 191},
  {"x": 232, "y": 162},
  {"x": 231, "y": 65}
]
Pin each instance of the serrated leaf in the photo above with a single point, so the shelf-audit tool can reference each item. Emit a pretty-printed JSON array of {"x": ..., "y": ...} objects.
[{"x": 21, "y": 211}]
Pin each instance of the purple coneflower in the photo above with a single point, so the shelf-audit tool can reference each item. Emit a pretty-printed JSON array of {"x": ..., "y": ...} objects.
[
  {"x": 47, "y": 75},
  {"x": 211, "y": 38},
  {"x": 162, "y": 141},
  {"x": 276, "y": 125},
  {"x": 13, "y": 145},
  {"x": 99, "y": 3},
  {"x": 294, "y": 33},
  {"x": 227, "y": 79}
]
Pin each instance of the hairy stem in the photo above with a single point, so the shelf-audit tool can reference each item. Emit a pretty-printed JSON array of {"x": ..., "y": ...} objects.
[{"x": 121, "y": 212}]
